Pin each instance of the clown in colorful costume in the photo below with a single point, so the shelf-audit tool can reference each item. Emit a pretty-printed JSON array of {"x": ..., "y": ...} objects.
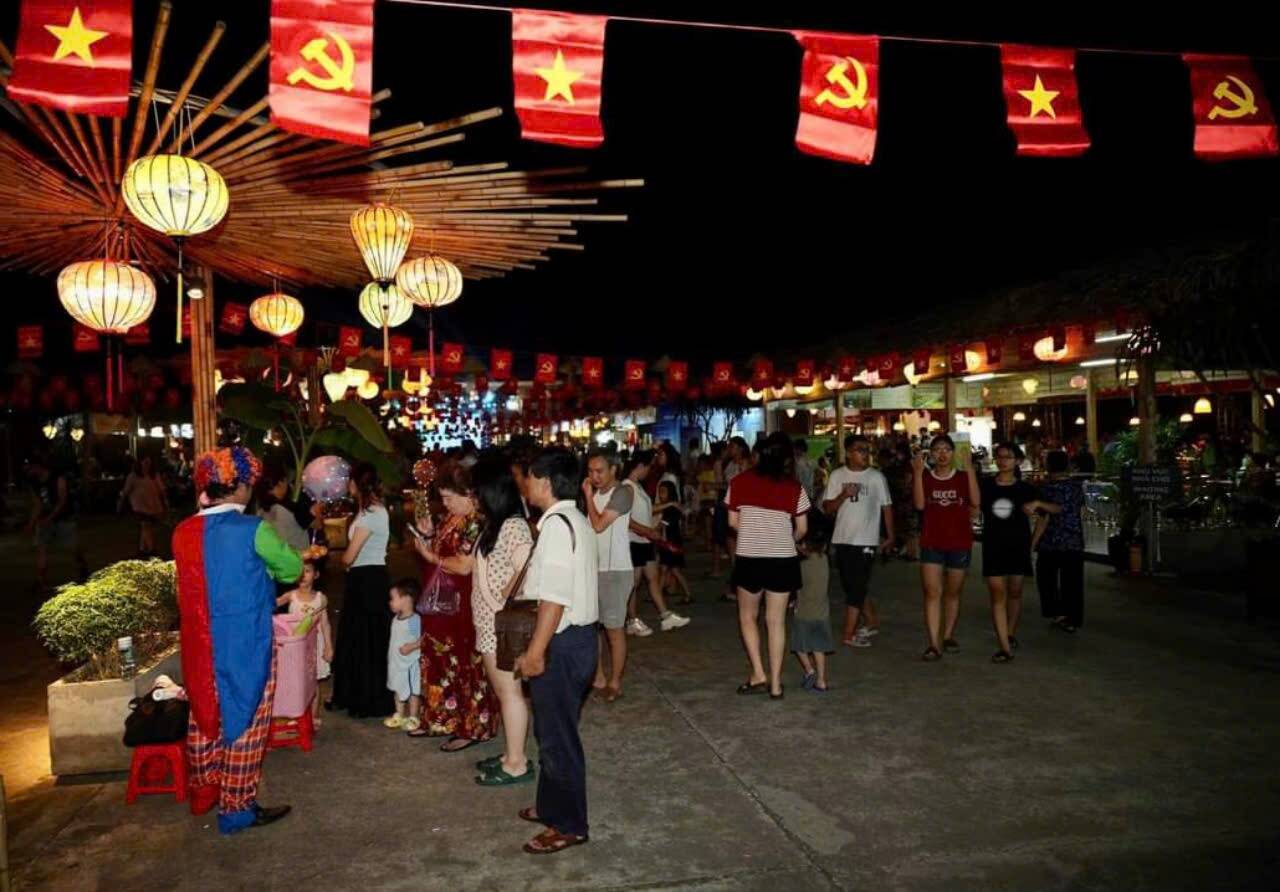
[{"x": 226, "y": 563}]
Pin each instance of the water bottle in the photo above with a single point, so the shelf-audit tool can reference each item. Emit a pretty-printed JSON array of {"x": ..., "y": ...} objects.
[{"x": 128, "y": 665}]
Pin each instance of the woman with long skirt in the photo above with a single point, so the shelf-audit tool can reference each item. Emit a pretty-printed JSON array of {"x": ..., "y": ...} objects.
[
  {"x": 457, "y": 698},
  {"x": 364, "y": 632}
]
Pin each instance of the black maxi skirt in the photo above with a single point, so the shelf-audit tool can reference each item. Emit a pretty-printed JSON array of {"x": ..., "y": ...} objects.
[{"x": 360, "y": 653}]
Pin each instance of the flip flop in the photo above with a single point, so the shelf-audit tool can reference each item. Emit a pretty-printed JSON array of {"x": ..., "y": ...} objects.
[
  {"x": 931, "y": 655},
  {"x": 1001, "y": 656},
  {"x": 550, "y": 841},
  {"x": 759, "y": 687},
  {"x": 445, "y": 748},
  {"x": 529, "y": 814}
]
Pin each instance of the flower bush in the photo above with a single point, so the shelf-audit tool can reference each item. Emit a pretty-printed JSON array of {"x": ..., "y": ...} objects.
[{"x": 81, "y": 622}]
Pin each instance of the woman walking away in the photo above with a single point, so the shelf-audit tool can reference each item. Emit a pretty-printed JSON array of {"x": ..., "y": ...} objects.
[
  {"x": 458, "y": 699},
  {"x": 360, "y": 654},
  {"x": 644, "y": 557},
  {"x": 671, "y": 547},
  {"x": 811, "y": 638},
  {"x": 948, "y": 497},
  {"x": 144, "y": 493},
  {"x": 500, "y": 555},
  {"x": 768, "y": 508},
  {"x": 1059, "y": 538},
  {"x": 1007, "y": 500}
]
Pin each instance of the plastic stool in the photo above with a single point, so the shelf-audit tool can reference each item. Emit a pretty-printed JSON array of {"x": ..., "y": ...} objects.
[
  {"x": 287, "y": 732},
  {"x": 158, "y": 768}
]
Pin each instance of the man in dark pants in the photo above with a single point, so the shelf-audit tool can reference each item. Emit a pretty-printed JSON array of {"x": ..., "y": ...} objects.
[{"x": 560, "y": 661}]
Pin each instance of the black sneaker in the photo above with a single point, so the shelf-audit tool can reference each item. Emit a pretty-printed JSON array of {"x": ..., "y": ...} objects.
[{"x": 264, "y": 815}]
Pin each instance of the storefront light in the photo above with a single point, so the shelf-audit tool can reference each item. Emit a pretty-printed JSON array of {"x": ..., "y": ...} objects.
[
  {"x": 1019, "y": 416},
  {"x": 791, "y": 413},
  {"x": 1080, "y": 421},
  {"x": 1035, "y": 422},
  {"x": 142, "y": 432},
  {"x": 157, "y": 432},
  {"x": 1135, "y": 421},
  {"x": 188, "y": 431},
  {"x": 1186, "y": 418}
]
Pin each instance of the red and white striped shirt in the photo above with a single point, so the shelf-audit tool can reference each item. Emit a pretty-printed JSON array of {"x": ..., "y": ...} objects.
[{"x": 766, "y": 508}]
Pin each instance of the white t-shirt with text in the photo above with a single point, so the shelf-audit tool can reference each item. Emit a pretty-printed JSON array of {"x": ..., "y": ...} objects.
[{"x": 858, "y": 520}]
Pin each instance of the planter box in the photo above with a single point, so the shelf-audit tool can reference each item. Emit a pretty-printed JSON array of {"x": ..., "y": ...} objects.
[{"x": 86, "y": 718}]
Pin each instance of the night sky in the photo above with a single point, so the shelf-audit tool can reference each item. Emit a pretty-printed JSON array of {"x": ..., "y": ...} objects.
[{"x": 738, "y": 243}]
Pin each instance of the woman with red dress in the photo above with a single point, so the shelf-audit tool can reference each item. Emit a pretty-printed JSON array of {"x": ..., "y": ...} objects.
[{"x": 457, "y": 698}]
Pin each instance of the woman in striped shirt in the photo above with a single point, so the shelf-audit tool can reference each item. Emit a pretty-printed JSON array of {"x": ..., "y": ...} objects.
[{"x": 767, "y": 508}]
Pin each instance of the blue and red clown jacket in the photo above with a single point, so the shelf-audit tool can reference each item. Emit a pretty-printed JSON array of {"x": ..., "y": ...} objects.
[{"x": 226, "y": 562}]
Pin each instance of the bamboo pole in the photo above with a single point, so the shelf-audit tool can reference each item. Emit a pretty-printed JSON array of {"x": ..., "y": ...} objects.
[
  {"x": 148, "y": 90},
  {"x": 220, "y": 97},
  {"x": 213, "y": 138},
  {"x": 180, "y": 98}
]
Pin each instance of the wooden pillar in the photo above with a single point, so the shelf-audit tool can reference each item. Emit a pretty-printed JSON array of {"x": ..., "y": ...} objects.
[
  {"x": 1147, "y": 415},
  {"x": 768, "y": 420},
  {"x": 1091, "y": 411},
  {"x": 204, "y": 408},
  {"x": 839, "y": 428},
  {"x": 1257, "y": 414},
  {"x": 949, "y": 403}
]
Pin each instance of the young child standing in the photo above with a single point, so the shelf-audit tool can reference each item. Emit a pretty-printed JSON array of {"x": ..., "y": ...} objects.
[
  {"x": 404, "y": 677},
  {"x": 308, "y": 599},
  {"x": 671, "y": 560},
  {"x": 811, "y": 639}
]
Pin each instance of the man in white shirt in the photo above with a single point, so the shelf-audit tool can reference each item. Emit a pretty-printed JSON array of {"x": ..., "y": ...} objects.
[
  {"x": 560, "y": 660},
  {"x": 858, "y": 496},
  {"x": 609, "y": 512}
]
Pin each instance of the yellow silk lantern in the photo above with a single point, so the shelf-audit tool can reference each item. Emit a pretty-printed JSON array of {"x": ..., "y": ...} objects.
[
  {"x": 382, "y": 233},
  {"x": 379, "y": 306},
  {"x": 106, "y": 296},
  {"x": 431, "y": 281},
  {"x": 276, "y": 314}
]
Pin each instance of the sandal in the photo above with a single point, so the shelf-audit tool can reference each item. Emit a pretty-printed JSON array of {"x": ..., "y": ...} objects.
[
  {"x": 425, "y": 731},
  {"x": 490, "y": 763},
  {"x": 502, "y": 778},
  {"x": 782, "y": 692},
  {"x": 931, "y": 654},
  {"x": 1001, "y": 656},
  {"x": 758, "y": 688},
  {"x": 529, "y": 814},
  {"x": 810, "y": 679},
  {"x": 550, "y": 841},
  {"x": 611, "y": 694},
  {"x": 467, "y": 743},
  {"x": 1013, "y": 642},
  {"x": 951, "y": 646}
]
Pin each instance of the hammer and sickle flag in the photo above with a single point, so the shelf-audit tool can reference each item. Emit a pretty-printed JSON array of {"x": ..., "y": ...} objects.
[
  {"x": 557, "y": 66},
  {"x": 1043, "y": 101},
  {"x": 1232, "y": 116},
  {"x": 839, "y": 95},
  {"x": 322, "y": 68}
]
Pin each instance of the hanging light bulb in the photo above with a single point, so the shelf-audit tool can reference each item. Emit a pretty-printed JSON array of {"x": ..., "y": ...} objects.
[
  {"x": 1035, "y": 423},
  {"x": 791, "y": 413},
  {"x": 1019, "y": 416},
  {"x": 1186, "y": 418},
  {"x": 1079, "y": 420},
  {"x": 1135, "y": 421},
  {"x": 50, "y": 430},
  {"x": 1203, "y": 406},
  {"x": 77, "y": 434}
]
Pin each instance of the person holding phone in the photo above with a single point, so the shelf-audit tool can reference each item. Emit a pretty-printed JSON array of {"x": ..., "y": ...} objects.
[{"x": 857, "y": 496}]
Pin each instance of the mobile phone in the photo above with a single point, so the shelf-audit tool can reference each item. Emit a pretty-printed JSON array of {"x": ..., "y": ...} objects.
[{"x": 413, "y": 528}]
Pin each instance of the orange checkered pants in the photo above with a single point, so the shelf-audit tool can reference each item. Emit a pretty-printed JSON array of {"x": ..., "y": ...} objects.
[{"x": 228, "y": 775}]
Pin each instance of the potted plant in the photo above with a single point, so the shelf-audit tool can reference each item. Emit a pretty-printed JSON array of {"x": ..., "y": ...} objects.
[{"x": 80, "y": 625}]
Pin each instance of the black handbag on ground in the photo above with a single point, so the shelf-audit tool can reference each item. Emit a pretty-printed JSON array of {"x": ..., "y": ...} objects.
[
  {"x": 155, "y": 721},
  {"x": 514, "y": 623}
]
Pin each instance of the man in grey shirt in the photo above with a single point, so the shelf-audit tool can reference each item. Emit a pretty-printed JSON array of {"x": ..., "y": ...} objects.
[{"x": 609, "y": 513}]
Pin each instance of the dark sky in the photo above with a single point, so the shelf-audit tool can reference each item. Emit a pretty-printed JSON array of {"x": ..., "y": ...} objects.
[{"x": 738, "y": 243}]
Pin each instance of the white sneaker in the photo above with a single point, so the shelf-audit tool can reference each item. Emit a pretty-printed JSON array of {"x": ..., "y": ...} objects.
[
  {"x": 636, "y": 626},
  {"x": 861, "y": 639},
  {"x": 673, "y": 620},
  {"x": 869, "y": 632}
]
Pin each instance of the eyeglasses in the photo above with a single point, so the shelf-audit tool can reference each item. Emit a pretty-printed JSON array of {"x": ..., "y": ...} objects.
[{"x": 860, "y": 449}]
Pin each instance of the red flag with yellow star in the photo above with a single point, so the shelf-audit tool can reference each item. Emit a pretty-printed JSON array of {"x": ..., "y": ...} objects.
[
  {"x": 557, "y": 64},
  {"x": 1232, "y": 115},
  {"x": 76, "y": 56},
  {"x": 1043, "y": 100},
  {"x": 839, "y": 95},
  {"x": 322, "y": 68}
]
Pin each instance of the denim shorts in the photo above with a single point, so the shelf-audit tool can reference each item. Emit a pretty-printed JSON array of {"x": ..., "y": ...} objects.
[{"x": 951, "y": 560}]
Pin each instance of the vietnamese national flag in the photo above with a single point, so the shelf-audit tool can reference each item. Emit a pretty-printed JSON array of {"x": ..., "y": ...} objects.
[
  {"x": 451, "y": 356},
  {"x": 139, "y": 335},
  {"x": 74, "y": 56},
  {"x": 544, "y": 370},
  {"x": 84, "y": 340},
  {"x": 1232, "y": 116},
  {"x": 322, "y": 68},
  {"x": 677, "y": 376},
  {"x": 557, "y": 64},
  {"x": 500, "y": 365},
  {"x": 350, "y": 341},
  {"x": 957, "y": 360},
  {"x": 593, "y": 372},
  {"x": 994, "y": 352},
  {"x": 920, "y": 360},
  {"x": 1043, "y": 100},
  {"x": 401, "y": 351},
  {"x": 839, "y": 95},
  {"x": 633, "y": 374},
  {"x": 847, "y": 368},
  {"x": 30, "y": 341},
  {"x": 233, "y": 319}
]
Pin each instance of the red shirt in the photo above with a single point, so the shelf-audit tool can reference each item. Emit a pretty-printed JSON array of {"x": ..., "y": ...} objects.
[{"x": 947, "y": 526}]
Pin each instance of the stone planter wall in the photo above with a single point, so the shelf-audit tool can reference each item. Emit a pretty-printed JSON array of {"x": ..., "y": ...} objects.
[{"x": 86, "y": 718}]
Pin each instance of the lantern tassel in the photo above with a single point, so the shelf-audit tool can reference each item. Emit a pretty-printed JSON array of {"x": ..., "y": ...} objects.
[
  {"x": 431, "y": 344},
  {"x": 178, "y": 336},
  {"x": 110, "y": 383}
]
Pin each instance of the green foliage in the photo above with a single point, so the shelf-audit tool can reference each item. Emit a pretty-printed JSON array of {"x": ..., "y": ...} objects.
[
  {"x": 1123, "y": 449},
  {"x": 83, "y": 620}
]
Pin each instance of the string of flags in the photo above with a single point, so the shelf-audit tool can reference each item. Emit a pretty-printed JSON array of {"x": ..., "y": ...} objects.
[{"x": 77, "y": 57}]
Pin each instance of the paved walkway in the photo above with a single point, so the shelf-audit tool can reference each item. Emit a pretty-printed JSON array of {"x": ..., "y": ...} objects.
[{"x": 1139, "y": 754}]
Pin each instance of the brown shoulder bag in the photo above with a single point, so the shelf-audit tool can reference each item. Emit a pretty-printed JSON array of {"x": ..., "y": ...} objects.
[{"x": 514, "y": 623}]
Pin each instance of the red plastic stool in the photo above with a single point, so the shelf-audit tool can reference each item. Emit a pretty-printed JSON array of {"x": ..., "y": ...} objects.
[
  {"x": 286, "y": 732},
  {"x": 158, "y": 768}
]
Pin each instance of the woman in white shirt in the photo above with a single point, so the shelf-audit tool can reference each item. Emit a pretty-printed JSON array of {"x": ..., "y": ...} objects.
[
  {"x": 360, "y": 655},
  {"x": 144, "y": 493}
]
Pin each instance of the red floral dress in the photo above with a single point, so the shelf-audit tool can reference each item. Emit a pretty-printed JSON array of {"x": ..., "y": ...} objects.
[{"x": 458, "y": 699}]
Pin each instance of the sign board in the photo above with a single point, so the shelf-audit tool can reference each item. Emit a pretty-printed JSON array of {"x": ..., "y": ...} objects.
[{"x": 1153, "y": 483}]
